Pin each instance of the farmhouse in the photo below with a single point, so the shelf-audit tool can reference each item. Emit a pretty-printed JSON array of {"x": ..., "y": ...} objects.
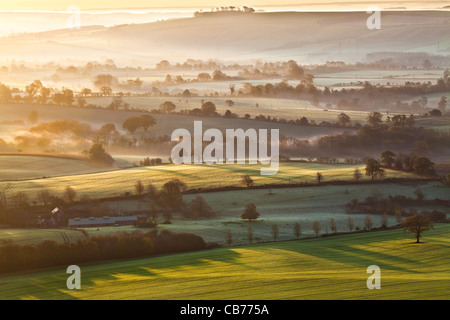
[{"x": 102, "y": 221}]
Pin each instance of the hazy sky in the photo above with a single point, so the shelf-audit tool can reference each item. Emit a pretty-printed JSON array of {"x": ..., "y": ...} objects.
[{"x": 61, "y": 5}]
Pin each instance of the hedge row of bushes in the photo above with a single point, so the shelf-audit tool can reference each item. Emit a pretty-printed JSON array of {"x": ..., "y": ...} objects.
[{"x": 49, "y": 253}]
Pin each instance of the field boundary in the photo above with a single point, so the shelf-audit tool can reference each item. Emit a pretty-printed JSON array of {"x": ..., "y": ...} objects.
[{"x": 310, "y": 184}]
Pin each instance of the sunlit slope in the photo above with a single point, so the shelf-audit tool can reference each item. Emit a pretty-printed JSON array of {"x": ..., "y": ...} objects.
[
  {"x": 195, "y": 176},
  {"x": 327, "y": 268}
]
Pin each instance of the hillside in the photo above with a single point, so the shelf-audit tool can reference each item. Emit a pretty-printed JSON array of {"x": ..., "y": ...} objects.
[
  {"x": 326, "y": 268},
  {"x": 20, "y": 167},
  {"x": 303, "y": 36},
  {"x": 118, "y": 182}
]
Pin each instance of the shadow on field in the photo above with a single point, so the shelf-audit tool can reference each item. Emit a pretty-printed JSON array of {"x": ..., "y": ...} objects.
[
  {"x": 349, "y": 254},
  {"x": 51, "y": 285},
  {"x": 172, "y": 172}
]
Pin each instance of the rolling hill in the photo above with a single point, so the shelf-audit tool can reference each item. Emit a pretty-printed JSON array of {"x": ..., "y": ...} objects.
[
  {"x": 309, "y": 37},
  {"x": 326, "y": 268}
]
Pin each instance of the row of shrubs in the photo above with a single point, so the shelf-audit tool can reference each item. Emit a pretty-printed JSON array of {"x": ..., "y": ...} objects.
[{"x": 49, "y": 253}]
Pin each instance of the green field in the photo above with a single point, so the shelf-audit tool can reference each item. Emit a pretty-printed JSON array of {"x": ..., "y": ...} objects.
[
  {"x": 21, "y": 167},
  {"x": 36, "y": 236},
  {"x": 284, "y": 207},
  {"x": 325, "y": 268},
  {"x": 195, "y": 176}
]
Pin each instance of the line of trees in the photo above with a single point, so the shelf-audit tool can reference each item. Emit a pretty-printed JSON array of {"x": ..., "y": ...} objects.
[{"x": 17, "y": 257}]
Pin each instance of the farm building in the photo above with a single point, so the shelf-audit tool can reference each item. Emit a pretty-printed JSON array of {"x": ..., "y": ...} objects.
[
  {"x": 53, "y": 220},
  {"x": 102, "y": 221}
]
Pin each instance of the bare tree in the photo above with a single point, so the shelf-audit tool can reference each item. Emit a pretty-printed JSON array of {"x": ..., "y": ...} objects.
[
  {"x": 250, "y": 235},
  {"x": 139, "y": 187},
  {"x": 316, "y": 227},
  {"x": 350, "y": 223},
  {"x": 297, "y": 230},
  {"x": 368, "y": 222},
  {"x": 384, "y": 220},
  {"x": 247, "y": 180},
  {"x": 229, "y": 237},
  {"x": 44, "y": 196},
  {"x": 70, "y": 194},
  {"x": 398, "y": 215},
  {"x": 275, "y": 232},
  {"x": 357, "y": 175},
  {"x": 333, "y": 225}
]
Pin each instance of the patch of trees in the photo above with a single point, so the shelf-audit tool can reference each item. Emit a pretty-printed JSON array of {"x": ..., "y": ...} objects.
[
  {"x": 394, "y": 136},
  {"x": 64, "y": 126},
  {"x": 150, "y": 162},
  {"x": 367, "y": 97},
  {"x": 97, "y": 154},
  {"x": 398, "y": 205},
  {"x": 18, "y": 257},
  {"x": 225, "y": 10},
  {"x": 198, "y": 209},
  {"x": 207, "y": 109}
]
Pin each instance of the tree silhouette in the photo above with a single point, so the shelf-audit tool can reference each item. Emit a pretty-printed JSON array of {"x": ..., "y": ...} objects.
[
  {"x": 139, "y": 187},
  {"x": 167, "y": 107},
  {"x": 357, "y": 175},
  {"x": 417, "y": 224},
  {"x": 344, "y": 119},
  {"x": 275, "y": 232},
  {"x": 98, "y": 154},
  {"x": 387, "y": 158},
  {"x": 250, "y": 212},
  {"x": 250, "y": 235},
  {"x": 297, "y": 230},
  {"x": 229, "y": 237},
  {"x": 247, "y": 180},
  {"x": 316, "y": 227},
  {"x": 373, "y": 169},
  {"x": 200, "y": 208},
  {"x": 333, "y": 225},
  {"x": 171, "y": 196},
  {"x": 350, "y": 223}
]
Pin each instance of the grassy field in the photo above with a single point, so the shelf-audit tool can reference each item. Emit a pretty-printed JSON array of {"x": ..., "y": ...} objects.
[
  {"x": 440, "y": 124},
  {"x": 20, "y": 167},
  {"x": 274, "y": 107},
  {"x": 325, "y": 268},
  {"x": 167, "y": 123},
  {"x": 283, "y": 207},
  {"x": 36, "y": 236},
  {"x": 195, "y": 176}
]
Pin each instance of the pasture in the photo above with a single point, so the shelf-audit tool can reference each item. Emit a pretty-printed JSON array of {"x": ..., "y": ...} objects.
[
  {"x": 273, "y": 107},
  {"x": 323, "y": 268},
  {"x": 27, "y": 166},
  {"x": 118, "y": 182},
  {"x": 36, "y": 236},
  {"x": 166, "y": 123},
  {"x": 283, "y": 207}
]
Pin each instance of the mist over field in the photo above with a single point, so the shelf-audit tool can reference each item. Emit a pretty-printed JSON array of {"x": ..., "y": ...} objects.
[
  {"x": 134, "y": 140},
  {"x": 309, "y": 37}
]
